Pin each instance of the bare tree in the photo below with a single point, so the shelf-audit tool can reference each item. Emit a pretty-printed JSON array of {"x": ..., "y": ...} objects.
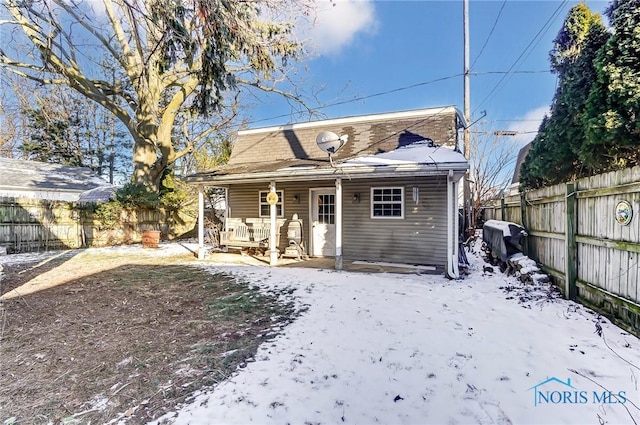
[
  {"x": 15, "y": 97},
  {"x": 493, "y": 157},
  {"x": 9, "y": 124},
  {"x": 176, "y": 60}
]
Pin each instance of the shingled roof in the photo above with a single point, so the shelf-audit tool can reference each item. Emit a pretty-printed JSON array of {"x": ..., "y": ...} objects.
[
  {"x": 367, "y": 135},
  {"x": 293, "y": 147},
  {"x": 17, "y": 175},
  {"x": 522, "y": 154}
]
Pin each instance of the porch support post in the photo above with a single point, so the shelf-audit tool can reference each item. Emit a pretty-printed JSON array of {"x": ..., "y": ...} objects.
[
  {"x": 201, "y": 250},
  {"x": 226, "y": 209},
  {"x": 452, "y": 231},
  {"x": 338, "y": 223},
  {"x": 273, "y": 212}
]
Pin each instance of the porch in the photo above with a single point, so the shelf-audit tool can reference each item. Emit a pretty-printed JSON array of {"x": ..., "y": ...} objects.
[
  {"x": 328, "y": 263},
  {"x": 336, "y": 217}
]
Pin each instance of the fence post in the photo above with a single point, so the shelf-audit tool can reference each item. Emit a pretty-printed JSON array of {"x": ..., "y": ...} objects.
[
  {"x": 503, "y": 212},
  {"x": 523, "y": 218},
  {"x": 571, "y": 264}
]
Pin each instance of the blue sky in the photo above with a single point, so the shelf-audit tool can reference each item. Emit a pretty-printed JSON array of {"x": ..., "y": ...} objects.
[{"x": 414, "y": 50}]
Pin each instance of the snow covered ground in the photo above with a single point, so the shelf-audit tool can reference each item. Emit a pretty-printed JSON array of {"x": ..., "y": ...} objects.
[{"x": 418, "y": 349}]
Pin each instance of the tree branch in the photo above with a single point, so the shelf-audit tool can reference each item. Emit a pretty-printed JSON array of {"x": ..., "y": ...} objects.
[
  {"x": 286, "y": 95},
  {"x": 130, "y": 62},
  {"x": 218, "y": 126},
  {"x": 133, "y": 24},
  {"x": 13, "y": 65},
  {"x": 84, "y": 21}
]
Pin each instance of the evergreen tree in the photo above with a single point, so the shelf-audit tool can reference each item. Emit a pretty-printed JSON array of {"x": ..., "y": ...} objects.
[
  {"x": 565, "y": 132},
  {"x": 553, "y": 157},
  {"x": 611, "y": 118},
  {"x": 534, "y": 168},
  {"x": 47, "y": 139},
  {"x": 66, "y": 129}
]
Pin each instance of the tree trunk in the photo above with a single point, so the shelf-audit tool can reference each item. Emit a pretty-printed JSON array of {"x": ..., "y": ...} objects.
[
  {"x": 144, "y": 157},
  {"x": 152, "y": 159}
]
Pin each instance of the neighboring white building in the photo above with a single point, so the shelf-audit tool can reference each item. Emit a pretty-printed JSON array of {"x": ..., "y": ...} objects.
[{"x": 39, "y": 180}]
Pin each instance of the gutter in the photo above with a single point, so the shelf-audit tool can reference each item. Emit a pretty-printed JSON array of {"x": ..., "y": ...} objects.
[
  {"x": 353, "y": 172},
  {"x": 40, "y": 189}
]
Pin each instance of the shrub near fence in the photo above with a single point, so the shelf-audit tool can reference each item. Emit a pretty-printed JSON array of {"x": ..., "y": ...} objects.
[
  {"x": 575, "y": 234},
  {"x": 28, "y": 225}
]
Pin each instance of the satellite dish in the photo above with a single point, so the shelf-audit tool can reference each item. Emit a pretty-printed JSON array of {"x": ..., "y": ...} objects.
[{"x": 330, "y": 142}]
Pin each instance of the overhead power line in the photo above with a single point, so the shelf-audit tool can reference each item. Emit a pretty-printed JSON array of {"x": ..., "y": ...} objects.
[
  {"x": 535, "y": 40},
  {"x": 412, "y": 86},
  {"x": 517, "y": 120},
  {"x": 398, "y": 89},
  {"x": 486, "y": 41},
  {"x": 360, "y": 98},
  {"x": 504, "y": 132},
  {"x": 544, "y": 71}
]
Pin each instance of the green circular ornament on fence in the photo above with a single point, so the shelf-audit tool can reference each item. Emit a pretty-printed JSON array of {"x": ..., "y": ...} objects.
[{"x": 624, "y": 213}]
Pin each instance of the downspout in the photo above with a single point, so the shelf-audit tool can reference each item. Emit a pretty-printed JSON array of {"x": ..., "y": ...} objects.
[
  {"x": 201, "y": 250},
  {"x": 449, "y": 244},
  {"x": 452, "y": 258},
  {"x": 339, "y": 223},
  {"x": 456, "y": 225}
]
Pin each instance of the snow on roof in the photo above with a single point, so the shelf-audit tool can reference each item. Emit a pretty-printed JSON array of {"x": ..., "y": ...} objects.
[
  {"x": 422, "y": 152},
  {"x": 418, "y": 156},
  {"x": 35, "y": 175},
  {"x": 98, "y": 194}
]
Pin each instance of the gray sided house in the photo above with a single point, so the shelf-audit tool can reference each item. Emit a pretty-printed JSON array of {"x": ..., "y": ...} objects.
[{"x": 389, "y": 194}]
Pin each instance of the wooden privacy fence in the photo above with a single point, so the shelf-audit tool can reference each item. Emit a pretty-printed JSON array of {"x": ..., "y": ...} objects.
[
  {"x": 28, "y": 225},
  {"x": 578, "y": 233}
]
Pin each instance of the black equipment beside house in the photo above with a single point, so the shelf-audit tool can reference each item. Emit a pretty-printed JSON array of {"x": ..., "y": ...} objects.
[{"x": 503, "y": 238}]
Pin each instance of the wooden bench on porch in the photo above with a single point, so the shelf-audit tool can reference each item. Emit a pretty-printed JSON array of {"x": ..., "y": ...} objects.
[{"x": 250, "y": 233}]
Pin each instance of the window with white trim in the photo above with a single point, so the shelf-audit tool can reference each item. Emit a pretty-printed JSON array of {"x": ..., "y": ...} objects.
[
  {"x": 265, "y": 207},
  {"x": 387, "y": 202}
]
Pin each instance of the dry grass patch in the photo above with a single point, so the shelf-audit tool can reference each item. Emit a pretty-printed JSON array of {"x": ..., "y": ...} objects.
[{"x": 131, "y": 342}]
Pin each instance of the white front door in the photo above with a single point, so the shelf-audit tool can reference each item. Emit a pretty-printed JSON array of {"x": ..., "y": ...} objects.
[{"x": 323, "y": 222}]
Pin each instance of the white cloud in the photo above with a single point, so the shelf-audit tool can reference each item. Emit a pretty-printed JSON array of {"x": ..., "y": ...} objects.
[
  {"x": 336, "y": 24},
  {"x": 527, "y": 126},
  {"x": 330, "y": 28}
]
